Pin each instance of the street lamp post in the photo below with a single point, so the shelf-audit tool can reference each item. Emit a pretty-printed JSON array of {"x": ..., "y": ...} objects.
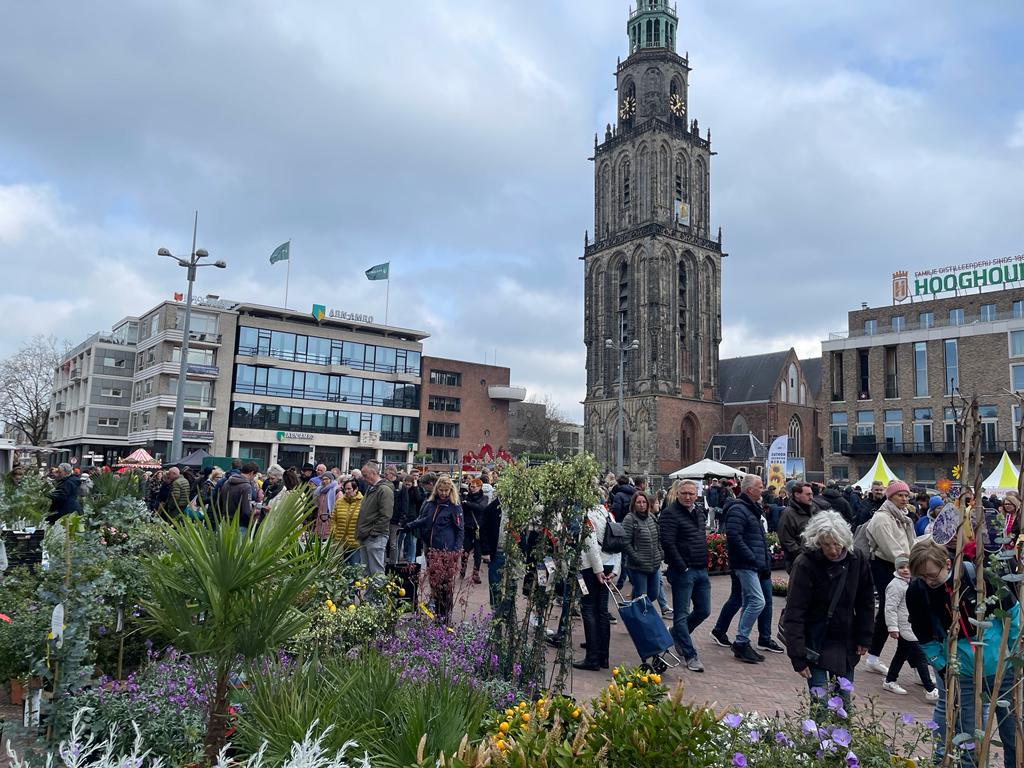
[
  {"x": 191, "y": 263},
  {"x": 622, "y": 348}
]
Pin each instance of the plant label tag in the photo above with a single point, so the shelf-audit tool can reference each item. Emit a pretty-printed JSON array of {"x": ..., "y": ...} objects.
[
  {"x": 583, "y": 585},
  {"x": 57, "y": 624},
  {"x": 549, "y": 564},
  {"x": 542, "y": 575}
]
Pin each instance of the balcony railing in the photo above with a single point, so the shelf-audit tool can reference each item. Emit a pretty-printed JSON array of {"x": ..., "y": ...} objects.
[
  {"x": 917, "y": 325},
  {"x": 934, "y": 447}
]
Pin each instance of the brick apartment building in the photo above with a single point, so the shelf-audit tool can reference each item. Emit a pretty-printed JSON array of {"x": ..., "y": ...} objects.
[
  {"x": 889, "y": 383},
  {"x": 463, "y": 406}
]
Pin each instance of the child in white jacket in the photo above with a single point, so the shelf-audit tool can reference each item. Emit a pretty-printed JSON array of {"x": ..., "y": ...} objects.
[{"x": 897, "y": 620}]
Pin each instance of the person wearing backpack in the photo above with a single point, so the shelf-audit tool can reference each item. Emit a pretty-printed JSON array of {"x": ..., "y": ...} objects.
[
  {"x": 684, "y": 541},
  {"x": 598, "y": 568}
]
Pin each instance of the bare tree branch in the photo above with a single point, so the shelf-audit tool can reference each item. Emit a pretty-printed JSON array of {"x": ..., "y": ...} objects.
[{"x": 26, "y": 380}]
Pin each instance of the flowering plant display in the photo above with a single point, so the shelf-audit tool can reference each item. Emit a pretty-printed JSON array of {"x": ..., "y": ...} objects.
[
  {"x": 718, "y": 556},
  {"x": 358, "y": 615}
]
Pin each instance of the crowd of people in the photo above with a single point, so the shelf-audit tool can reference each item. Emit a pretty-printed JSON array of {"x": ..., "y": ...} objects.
[{"x": 863, "y": 569}]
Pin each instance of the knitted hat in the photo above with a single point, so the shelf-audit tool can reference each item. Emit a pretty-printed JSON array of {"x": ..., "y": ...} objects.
[
  {"x": 933, "y": 502},
  {"x": 895, "y": 487},
  {"x": 902, "y": 560}
]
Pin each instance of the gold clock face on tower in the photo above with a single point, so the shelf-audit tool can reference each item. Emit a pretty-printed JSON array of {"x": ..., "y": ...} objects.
[
  {"x": 628, "y": 108},
  {"x": 676, "y": 105}
]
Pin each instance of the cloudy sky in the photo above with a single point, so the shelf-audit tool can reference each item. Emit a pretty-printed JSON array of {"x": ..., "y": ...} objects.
[{"x": 452, "y": 138}]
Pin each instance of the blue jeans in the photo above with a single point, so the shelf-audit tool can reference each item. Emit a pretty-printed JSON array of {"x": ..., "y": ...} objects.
[
  {"x": 662, "y": 602},
  {"x": 751, "y": 605},
  {"x": 407, "y": 546},
  {"x": 645, "y": 584},
  {"x": 735, "y": 600},
  {"x": 686, "y": 585},
  {"x": 964, "y": 719}
]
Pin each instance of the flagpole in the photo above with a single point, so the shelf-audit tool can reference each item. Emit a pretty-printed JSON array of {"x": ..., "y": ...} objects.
[
  {"x": 387, "y": 296},
  {"x": 288, "y": 273}
]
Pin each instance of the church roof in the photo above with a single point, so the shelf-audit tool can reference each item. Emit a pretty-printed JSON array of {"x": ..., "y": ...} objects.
[
  {"x": 812, "y": 374},
  {"x": 736, "y": 448},
  {"x": 751, "y": 379}
]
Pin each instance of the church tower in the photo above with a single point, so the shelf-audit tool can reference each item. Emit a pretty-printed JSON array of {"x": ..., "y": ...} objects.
[{"x": 652, "y": 271}]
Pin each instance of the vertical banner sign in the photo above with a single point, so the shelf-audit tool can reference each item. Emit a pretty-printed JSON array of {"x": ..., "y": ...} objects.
[{"x": 777, "y": 461}]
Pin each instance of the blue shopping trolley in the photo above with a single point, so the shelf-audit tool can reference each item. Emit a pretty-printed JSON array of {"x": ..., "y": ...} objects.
[{"x": 647, "y": 630}]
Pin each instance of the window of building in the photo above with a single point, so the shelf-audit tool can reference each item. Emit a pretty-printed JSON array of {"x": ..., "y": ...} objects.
[
  {"x": 920, "y": 369},
  {"x": 439, "y": 403},
  {"x": 840, "y": 431},
  {"x": 154, "y": 324},
  {"x": 865, "y": 422},
  {"x": 795, "y": 436},
  {"x": 987, "y": 313},
  {"x": 1016, "y": 343},
  {"x": 893, "y": 429},
  {"x": 1017, "y": 378},
  {"x": 870, "y": 327},
  {"x": 863, "y": 375},
  {"x": 782, "y": 391},
  {"x": 303, "y": 385},
  {"x": 108, "y": 421},
  {"x": 952, "y": 357},
  {"x": 112, "y": 392},
  {"x": 393, "y": 428},
  {"x": 442, "y": 429},
  {"x": 1018, "y": 308},
  {"x": 442, "y": 456},
  {"x": 837, "y": 376},
  {"x": 949, "y": 427},
  {"x": 899, "y": 323},
  {"x": 924, "y": 474},
  {"x": 792, "y": 381},
  {"x": 195, "y": 356},
  {"x": 198, "y": 323},
  {"x": 956, "y": 317},
  {"x": 625, "y": 184},
  {"x": 927, "y": 319},
  {"x": 193, "y": 421},
  {"x": 196, "y": 392},
  {"x": 922, "y": 429},
  {"x": 114, "y": 362},
  {"x": 718, "y": 452},
  {"x": 445, "y": 378},
  {"x": 891, "y": 378},
  {"x": 989, "y": 427}
]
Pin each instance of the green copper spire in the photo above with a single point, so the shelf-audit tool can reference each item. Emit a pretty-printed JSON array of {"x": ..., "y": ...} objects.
[{"x": 652, "y": 25}]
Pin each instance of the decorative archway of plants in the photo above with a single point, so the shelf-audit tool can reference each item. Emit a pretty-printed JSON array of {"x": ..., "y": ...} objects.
[{"x": 549, "y": 505}]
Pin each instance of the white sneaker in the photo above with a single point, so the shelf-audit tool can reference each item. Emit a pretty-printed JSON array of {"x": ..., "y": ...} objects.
[
  {"x": 894, "y": 687},
  {"x": 932, "y": 695},
  {"x": 876, "y": 666}
]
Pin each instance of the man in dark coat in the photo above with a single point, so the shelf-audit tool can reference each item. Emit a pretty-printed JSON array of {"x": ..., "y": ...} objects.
[
  {"x": 750, "y": 562},
  {"x": 236, "y": 496},
  {"x": 836, "y": 501},
  {"x": 870, "y": 504},
  {"x": 793, "y": 521},
  {"x": 64, "y": 496},
  {"x": 621, "y": 495},
  {"x": 682, "y": 527}
]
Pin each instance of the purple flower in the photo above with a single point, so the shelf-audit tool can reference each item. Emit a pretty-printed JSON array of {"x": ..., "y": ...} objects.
[
  {"x": 841, "y": 736},
  {"x": 969, "y": 746},
  {"x": 783, "y": 739},
  {"x": 754, "y": 737},
  {"x": 845, "y": 685},
  {"x": 906, "y": 718},
  {"x": 733, "y": 720},
  {"x": 818, "y": 692},
  {"x": 809, "y": 727},
  {"x": 835, "y": 704},
  {"x": 931, "y": 725},
  {"x": 739, "y": 760},
  {"x": 852, "y": 761}
]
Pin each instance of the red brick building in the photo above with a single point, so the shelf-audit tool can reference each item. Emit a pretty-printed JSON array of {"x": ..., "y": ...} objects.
[{"x": 463, "y": 406}]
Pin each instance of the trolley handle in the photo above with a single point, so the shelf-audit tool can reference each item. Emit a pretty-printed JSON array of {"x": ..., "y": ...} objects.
[{"x": 619, "y": 599}]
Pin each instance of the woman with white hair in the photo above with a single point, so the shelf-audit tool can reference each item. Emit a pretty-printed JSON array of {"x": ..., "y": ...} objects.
[{"x": 830, "y": 610}]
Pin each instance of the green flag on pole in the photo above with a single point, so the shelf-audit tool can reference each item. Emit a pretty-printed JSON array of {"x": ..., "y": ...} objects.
[
  {"x": 280, "y": 253},
  {"x": 378, "y": 272}
]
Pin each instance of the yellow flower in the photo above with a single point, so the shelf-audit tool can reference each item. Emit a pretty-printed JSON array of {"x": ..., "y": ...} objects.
[
  {"x": 332, "y": 608},
  {"x": 575, "y": 714},
  {"x": 500, "y": 745},
  {"x": 351, "y": 606},
  {"x": 401, "y": 591},
  {"x": 615, "y": 672},
  {"x": 656, "y": 679},
  {"x": 644, "y": 679},
  {"x": 526, "y": 717},
  {"x": 503, "y": 727},
  {"x": 629, "y": 685},
  {"x": 510, "y": 712}
]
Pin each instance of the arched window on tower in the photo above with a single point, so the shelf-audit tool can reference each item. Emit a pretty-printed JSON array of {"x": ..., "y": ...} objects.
[
  {"x": 684, "y": 371},
  {"x": 792, "y": 384},
  {"x": 624, "y": 302},
  {"x": 794, "y": 436}
]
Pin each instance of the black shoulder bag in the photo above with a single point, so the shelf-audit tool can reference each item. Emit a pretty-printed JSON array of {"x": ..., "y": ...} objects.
[{"x": 816, "y": 638}]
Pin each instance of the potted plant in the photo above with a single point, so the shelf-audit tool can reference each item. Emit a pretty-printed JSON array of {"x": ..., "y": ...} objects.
[{"x": 22, "y": 631}]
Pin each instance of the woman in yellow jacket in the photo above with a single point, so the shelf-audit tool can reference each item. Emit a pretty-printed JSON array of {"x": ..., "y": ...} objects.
[{"x": 344, "y": 517}]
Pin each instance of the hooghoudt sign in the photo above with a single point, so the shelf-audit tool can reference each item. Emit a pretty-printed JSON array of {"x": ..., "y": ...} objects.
[{"x": 958, "y": 277}]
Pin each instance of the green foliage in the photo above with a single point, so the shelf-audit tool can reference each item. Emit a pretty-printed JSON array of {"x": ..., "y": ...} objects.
[
  {"x": 110, "y": 486},
  {"x": 28, "y": 502},
  {"x": 23, "y": 639},
  {"x": 365, "y": 700}
]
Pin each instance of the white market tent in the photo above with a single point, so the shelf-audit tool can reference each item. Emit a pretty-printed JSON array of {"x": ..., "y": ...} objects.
[
  {"x": 879, "y": 472},
  {"x": 1003, "y": 478},
  {"x": 706, "y": 467}
]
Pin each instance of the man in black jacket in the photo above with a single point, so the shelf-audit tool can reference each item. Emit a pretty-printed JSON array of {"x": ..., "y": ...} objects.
[
  {"x": 834, "y": 497},
  {"x": 681, "y": 527},
  {"x": 870, "y": 504},
  {"x": 236, "y": 496}
]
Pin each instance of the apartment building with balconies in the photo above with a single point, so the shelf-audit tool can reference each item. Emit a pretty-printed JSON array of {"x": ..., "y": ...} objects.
[
  {"x": 893, "y": 381},
  {"x": 91, "y": 397}
]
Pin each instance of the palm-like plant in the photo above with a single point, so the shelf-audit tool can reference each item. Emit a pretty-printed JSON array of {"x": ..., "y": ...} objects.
[{"x": 223, "y": 593}]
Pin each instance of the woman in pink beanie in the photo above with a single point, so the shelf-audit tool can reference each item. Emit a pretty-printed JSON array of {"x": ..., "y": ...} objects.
[{"x": 890, "y": 534}]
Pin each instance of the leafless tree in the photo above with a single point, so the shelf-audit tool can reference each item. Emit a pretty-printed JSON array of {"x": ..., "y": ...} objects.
[
  {"x": 26, "y": 380},
  {"x": 534, "y": 426}
]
